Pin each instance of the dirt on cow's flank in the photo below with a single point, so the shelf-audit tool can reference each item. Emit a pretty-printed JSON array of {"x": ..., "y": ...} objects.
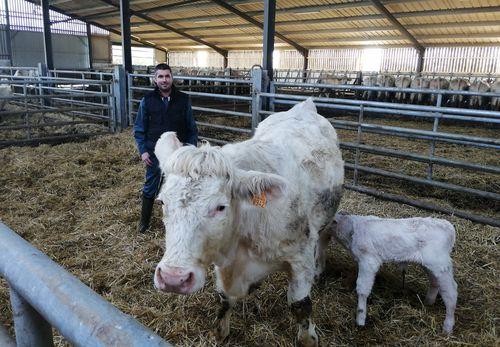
[{"x": 79, "y": 203}]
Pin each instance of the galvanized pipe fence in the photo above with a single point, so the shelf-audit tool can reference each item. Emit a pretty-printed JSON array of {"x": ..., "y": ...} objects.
[
  {"x": 44, "y": 295},
  {"x": 406, "y": 112},
  {"x": 224, "y": 99},
  {"x": 55, "y": 106}
]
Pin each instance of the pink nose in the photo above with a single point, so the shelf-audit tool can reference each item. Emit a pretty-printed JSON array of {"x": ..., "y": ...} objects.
[{"x": 174, "y": 279}]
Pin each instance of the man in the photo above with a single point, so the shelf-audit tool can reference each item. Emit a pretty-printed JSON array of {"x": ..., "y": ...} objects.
[{"x": 164, "y": 109}]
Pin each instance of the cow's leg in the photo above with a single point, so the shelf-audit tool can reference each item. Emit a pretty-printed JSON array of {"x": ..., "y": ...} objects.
[
  {"x": 366, "y": 276},
  {"x": 320, "y": 254},
  {"x": 224, "y": 317},
  {"x": 300, "y": 303}
]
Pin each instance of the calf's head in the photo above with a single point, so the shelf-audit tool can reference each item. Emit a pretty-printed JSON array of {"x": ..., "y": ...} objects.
[{"x": 202, "y": 197}]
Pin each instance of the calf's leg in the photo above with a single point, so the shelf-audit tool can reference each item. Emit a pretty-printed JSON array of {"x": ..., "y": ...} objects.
[
  {"x": 366, "y": 276},
  {"x": 433, "y": 290},
  {"x": 448, "y": 291}
]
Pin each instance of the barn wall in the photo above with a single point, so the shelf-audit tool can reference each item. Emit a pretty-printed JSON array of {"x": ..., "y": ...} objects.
[
  {"x": 70, "y": 52},
  {"x": 399, "y": 59},
  {"x": 476, "y": 60},
  {"x": 3, "y": 45},
  {"x": 244, "y": 59},
  {"x": 335, "y": 59},
  {"x": 101, "y": 49}
]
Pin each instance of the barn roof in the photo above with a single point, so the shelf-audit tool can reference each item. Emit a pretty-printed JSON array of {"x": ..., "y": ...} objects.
[{"x": 180, "y": 25}]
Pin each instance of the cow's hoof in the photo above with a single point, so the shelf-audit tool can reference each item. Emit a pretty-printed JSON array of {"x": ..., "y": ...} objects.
[
  {"x": 222, "y": 332},
  {"x": 308, "y": 337}
]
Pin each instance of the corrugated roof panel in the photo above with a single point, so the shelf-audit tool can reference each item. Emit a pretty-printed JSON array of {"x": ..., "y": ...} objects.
[{"x": 198, "y": 18}]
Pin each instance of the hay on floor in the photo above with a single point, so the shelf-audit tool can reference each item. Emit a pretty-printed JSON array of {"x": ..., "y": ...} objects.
[{"x": 79, "y": 203}]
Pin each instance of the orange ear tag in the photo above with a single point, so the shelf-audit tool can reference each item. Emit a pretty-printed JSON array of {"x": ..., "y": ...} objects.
[{"x": 259, "y": 200}]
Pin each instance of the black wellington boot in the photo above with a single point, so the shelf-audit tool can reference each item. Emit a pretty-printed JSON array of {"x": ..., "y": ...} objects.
[{"x": 147, "y": 209}]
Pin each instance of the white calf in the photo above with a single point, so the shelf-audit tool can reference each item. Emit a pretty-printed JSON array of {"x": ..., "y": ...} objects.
[{"x": 426, "y": 241}]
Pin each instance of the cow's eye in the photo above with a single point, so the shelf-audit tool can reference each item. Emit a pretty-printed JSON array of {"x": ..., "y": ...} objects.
[{"x": 220, "y": 208}]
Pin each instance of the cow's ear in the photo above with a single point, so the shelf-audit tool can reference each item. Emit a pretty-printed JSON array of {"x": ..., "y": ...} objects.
[
  {"x": 167, "y": 144},
  {"x": 258, "y": 187}
]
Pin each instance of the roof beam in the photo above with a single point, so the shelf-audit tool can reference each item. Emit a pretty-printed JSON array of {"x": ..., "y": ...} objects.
[
  {"x": 113, "y": 12},
  {"x": 111, "y": 30},
  {"x": 412, "y": 14},
  {"x": 381, "y": 8},
  {"x": 255, "y": 22},
  {"x": 338, "y": 30},
  {"x": 219, "y": 50}
]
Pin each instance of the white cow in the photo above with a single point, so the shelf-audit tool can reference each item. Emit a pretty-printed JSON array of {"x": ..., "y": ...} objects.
[{"x": 252, "y": 208}]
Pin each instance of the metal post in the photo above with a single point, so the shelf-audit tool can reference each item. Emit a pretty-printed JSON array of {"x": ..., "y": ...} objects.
[
  {"x": 126, "y": 40},
  {"x": 305, "y": 66},
  {"x": 268, "y": 38},
  {"x": 47, "y": 38},
  {"x": 42, "y": 71},
  {"x": 7, "y": 31},
  {"x": 420, "y": 61},
  {"x": 89, "y": 44},
  {"x": 257, "y": 82},
  {"x": 358, "y": 141},
  {"x": 120, "y": 92},
  {"x": 433, "y": 141},
  {"x": 130, "y": 96},
  {"x": 79, "y": 314},
  {"x": 31, "y": 328}
]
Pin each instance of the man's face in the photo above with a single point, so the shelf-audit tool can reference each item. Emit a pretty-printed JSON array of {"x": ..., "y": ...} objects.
[{"x": 164, "y": 79}]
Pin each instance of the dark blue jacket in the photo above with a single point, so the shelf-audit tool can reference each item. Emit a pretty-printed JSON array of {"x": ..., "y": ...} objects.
[{"x": 156, "y": 116}]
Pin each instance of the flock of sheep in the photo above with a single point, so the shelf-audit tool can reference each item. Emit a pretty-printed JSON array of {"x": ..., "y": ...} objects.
[{"x": 418, "y": 82}]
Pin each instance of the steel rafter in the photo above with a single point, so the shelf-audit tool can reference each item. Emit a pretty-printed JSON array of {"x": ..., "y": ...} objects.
[
  {"x": 110, "y": 29},
  {"x": 255, "y": 22},
  {"x": 388, "y": 15},
  {"x": 411, "y": 14},
  {"x": 219, "y": 50},
  {"x": 113, "y": 12}
]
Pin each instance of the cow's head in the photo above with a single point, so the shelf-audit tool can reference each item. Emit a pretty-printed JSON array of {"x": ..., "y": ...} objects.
[{"x": 202, "y": 195}]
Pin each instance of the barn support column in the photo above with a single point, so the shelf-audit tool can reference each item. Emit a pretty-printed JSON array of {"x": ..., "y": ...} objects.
[
  {"x": 31, "y": 328},
  {"x": 89, "y": 43},
  {"x": 268, "y": 40},
  {"x": 305, "y": 66},
  {"x": 226, "y": 62},
  {"x": 121, "y": 116},
  {"x": 47, "y": 37},
  {"x": 7, "y": 31},
  {"x": 126, "y": 39},
  {"x": 257, "y": 84},
  {"x": 420, "y": 61}
]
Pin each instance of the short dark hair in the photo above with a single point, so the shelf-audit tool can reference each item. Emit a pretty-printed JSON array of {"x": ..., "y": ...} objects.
[{"x": 162, "y": 66}]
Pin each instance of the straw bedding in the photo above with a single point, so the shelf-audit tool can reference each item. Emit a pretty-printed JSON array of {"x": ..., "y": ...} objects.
[{"x": 79, "y": 203}]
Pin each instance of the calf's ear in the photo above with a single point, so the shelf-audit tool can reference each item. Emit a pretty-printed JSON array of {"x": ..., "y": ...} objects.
[
  {"x": 167, "y": 144},
  {"x": 258, "y": 187}
]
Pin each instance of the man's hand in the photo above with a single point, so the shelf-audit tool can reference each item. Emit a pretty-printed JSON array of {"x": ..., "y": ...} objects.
[{"x": 145, "y": 159}]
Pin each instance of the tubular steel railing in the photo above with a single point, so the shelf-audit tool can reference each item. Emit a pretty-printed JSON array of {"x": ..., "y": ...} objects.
[
  {"x": 438, "y": 114},
  {"x": 44, "y": 295},
  {"x": 211, "y": 97},
  {"x": 54, "y": 109}
]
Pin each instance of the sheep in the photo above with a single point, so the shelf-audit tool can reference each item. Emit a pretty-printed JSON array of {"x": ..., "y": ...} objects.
[{"x": 427, "y": 241}]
